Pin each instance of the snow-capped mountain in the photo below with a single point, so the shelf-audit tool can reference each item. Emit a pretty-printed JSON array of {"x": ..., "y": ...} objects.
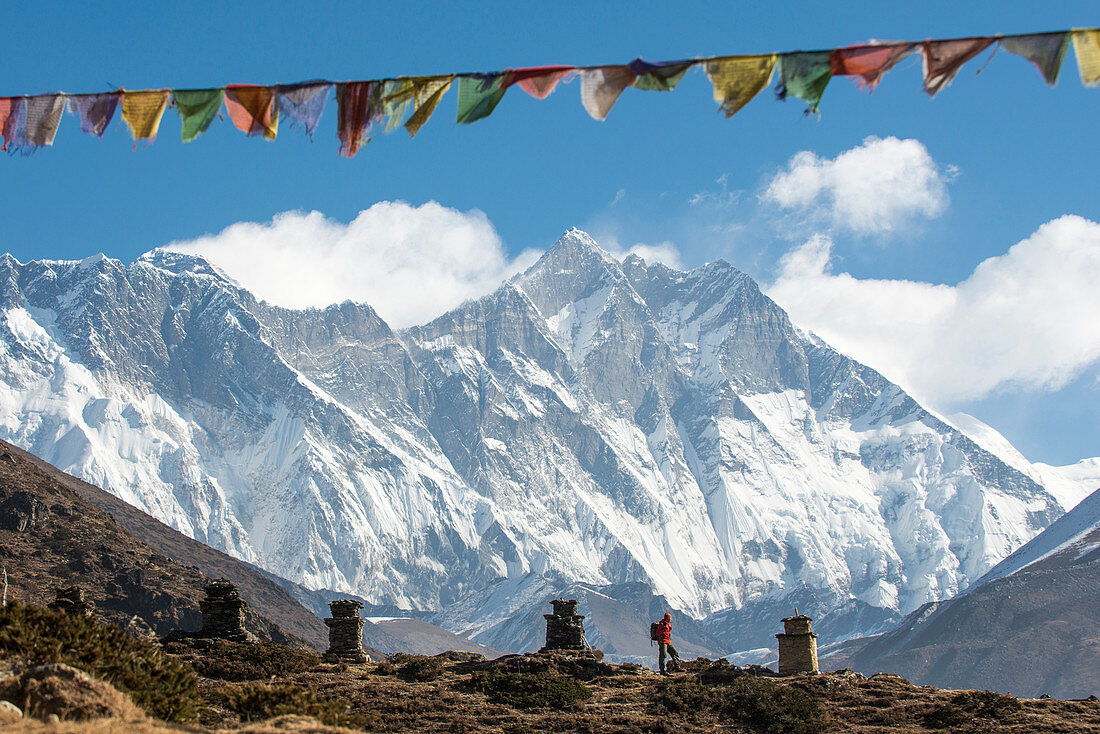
[
  {"x": 1074, "y": 538},
  {"x": 1027, "y": 626},
  {"x": 592, "y": 421}
]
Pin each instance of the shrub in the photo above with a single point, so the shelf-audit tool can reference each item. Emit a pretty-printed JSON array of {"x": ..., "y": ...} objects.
[
  {"x": 237, "y": 661},
  {"x": 717, "y": 672},
  {"x": 385, "y": 668},
  {"x": 418, "y": 668},
  {"x": 158, "y": 683},
  {"x": 775, "y": 708},
  {"x": 765, "y": 705},
  {"x": 530, "y": 690},
  {"x": 944, "y": 716},
  {"x": 684, "y": 696},
  {"x": 986, "y": 703},
  {"x": 259, "y": 702}
]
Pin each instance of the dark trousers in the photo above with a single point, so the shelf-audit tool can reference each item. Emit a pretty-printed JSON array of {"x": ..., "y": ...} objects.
[{"x": 665, "y": 649}]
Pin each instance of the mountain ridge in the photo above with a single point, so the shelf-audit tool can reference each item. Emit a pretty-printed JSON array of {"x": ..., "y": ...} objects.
[
  {"x": 591, "y": 421},
  {"x": 1028, "y": 626}
]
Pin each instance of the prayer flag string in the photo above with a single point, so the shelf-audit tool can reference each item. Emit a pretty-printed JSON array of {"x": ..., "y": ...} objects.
[{"x": 30, "y": 122}]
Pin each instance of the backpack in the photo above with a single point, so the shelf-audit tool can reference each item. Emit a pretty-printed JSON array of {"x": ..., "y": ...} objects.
[{"x": 654, "y": 632}]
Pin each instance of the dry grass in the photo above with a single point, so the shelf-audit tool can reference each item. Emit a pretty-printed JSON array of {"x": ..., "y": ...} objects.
[{"x": 623, "y": 700}]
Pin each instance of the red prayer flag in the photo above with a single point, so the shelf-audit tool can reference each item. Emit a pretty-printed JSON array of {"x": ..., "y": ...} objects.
[
  {"x": 10, "y": 110},
  {"x": 869, "y": 63},
  {"x": 538, "y": 81},
  {"x": 6, "y": 106},
  {"x": 352, "y": 116}
]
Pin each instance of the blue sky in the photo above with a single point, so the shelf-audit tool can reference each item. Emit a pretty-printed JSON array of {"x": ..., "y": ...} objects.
[{"x": 1006, "y": 156}]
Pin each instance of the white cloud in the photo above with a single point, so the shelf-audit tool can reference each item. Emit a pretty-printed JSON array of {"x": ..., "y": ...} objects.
[
  {"x": 410, "y": 263},
  {"x": 665, "y": 253},
  {"x": 874, "y": 188},
  {"x": 1023, "y": 320}
]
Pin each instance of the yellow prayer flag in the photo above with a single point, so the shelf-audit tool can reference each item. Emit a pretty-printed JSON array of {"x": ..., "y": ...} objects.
[
  {"x": 427, "y": 95},
  {"x": 142, "y": 112},
  {"x": 1086, "y": 45},
  {"x": 738, "y": 79}
]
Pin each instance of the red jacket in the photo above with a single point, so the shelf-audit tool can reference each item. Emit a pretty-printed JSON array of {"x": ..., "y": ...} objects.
[{"x": 664, "y": 631}]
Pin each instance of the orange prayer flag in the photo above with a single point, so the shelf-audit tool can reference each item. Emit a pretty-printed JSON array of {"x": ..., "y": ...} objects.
[
  {"x": 869, "y": 63},
  {"x": 254, "y": 110}
]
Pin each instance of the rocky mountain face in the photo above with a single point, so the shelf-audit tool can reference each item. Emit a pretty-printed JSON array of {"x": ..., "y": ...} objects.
[
  {"x": 1029, "y": 626},
  {"x": 591, "y": 422},
  {"x": 52, "y": 538}
]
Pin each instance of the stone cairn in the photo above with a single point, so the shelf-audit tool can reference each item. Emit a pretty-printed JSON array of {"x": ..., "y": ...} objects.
[
  {"x": 223, "y": 613},
  {"x": 564, "y": 628},
  {"x": 797, "y": 645},
  {"x": 72, "y": 601},
  {"x": 345, "y": 632}
]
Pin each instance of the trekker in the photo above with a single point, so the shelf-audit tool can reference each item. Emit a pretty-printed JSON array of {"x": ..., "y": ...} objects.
[{"x": 664, "y": 644}]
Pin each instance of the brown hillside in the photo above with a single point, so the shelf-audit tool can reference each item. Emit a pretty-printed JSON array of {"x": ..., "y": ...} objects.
[
  {"x": 51, "y": 537},
  {"x": 525, "y": 694},
  {"x": 1035, "y": 632}
]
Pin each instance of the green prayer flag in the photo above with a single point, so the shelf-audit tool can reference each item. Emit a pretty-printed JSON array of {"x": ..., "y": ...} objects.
[
  {"x": 478, "y": 95},
  {"x": 396, "y": 97},
  {"x": 662, "y": 77},
  {"x": 197, "y": 109},
  {"x": 805, "y": 75}
]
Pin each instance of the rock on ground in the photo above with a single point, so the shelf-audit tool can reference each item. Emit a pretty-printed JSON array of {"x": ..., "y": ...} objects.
[{"x": 67, "y": 693}]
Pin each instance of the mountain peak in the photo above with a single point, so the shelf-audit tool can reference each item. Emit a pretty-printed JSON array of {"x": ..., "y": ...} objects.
[
  {"x": 179, "y": 263},
  {"x": 577, "y": 242},
  {"x": 574, "y": 252}
]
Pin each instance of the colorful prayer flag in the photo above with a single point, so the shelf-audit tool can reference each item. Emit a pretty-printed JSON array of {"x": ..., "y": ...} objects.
[
  {"x": 304, "y": 103},
  {"x": 394, "y": 98},
  {"x": 478, "y": 96},
  {"x": 943, "y": 59},
  {"x": 662, "y": 77},
  {"x": 1045, "y": 50},
  {"x": 426, "y": 97},
  {"x": 538, "y": 81},
  {"x": 142, "y": 112},
  {"x": 1086, "y": 46},
  {"x": 869, "y": 63},
  {"x": 352, "y": 117},
  {"x": 738, "y": 79},
  {"x": 6, "y": 105},
  {"x": 197, "y": 108},
  {"x": 94, "y": 110},
  {"x": 601, "y": 87},
  {"x": 16, "y": 130},
  {"x": 254, "y": 110},
  {"x": 43, "y": 116},
  {"x": 805, "y": 75},
  {"x": 11, "y": 110}
]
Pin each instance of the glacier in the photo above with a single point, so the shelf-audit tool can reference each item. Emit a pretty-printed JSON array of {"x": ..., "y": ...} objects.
[{"x": 593, "y": 423}]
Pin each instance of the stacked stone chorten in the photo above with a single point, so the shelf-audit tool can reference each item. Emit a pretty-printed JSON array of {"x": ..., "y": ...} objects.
[
  {"x": 223, "y": 613},
  {"x": 564, "y": 628},
  {"x": 72, "y": 601},
  {"x": 797, "y": 645},
  {"x": 345, "y": 632}
]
